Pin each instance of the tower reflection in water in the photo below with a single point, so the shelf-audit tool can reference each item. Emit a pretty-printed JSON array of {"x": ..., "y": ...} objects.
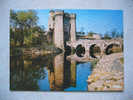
[{"x": 63, "y": 74}]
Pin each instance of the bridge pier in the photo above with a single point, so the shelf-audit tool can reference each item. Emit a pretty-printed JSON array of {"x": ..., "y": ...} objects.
[{"x": 102, "y": 53}]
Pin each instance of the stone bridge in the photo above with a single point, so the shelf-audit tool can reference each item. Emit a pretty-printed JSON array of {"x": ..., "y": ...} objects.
[{"x": 102, "y": 44}]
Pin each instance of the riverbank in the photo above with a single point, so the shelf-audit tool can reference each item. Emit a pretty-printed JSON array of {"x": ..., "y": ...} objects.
[
  {"x": 34, "y": 51},
  {"x": 107, "y": 74}
]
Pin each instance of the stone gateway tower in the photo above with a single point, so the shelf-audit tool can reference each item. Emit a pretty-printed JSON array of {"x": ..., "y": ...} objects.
[{"x": 63, "y": 27}]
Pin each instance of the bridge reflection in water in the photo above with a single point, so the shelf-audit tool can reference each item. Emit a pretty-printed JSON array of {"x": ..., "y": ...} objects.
[{"x": 48, "y": 73}]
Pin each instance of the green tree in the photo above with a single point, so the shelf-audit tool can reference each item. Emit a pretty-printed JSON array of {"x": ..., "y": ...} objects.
[
  {"x": 26, "y": 21},
  {"x": 21, "y": 26},
  {"x": 116, "y": 34},
  {"x": 90, "y": 34},
  {"x": 37, "y": 36},
  {"x": 107, "y": 36}
]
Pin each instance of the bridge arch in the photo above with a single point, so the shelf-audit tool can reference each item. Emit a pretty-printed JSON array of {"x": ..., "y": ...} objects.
[
  {"x": 112, "y": 47},
  {"x": 94, "y": 51},
  {"x": 80, "y": 50}
]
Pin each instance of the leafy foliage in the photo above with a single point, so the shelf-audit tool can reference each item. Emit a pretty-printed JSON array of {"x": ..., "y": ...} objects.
[{"x": 24, "y": 30}]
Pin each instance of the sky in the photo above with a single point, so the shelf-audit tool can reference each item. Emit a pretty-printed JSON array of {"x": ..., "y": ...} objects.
[{"x": 98, "y": 21}]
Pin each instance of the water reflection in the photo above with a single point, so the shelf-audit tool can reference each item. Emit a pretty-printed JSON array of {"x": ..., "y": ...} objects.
[
  {"x": 24, "y": 74},
  {"x": 48, "y": 73},
  {"x": 64, "y": 74}
]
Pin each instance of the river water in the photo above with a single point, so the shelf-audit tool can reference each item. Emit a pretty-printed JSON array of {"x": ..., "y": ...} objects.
[{"x": 48, "y": 73}]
